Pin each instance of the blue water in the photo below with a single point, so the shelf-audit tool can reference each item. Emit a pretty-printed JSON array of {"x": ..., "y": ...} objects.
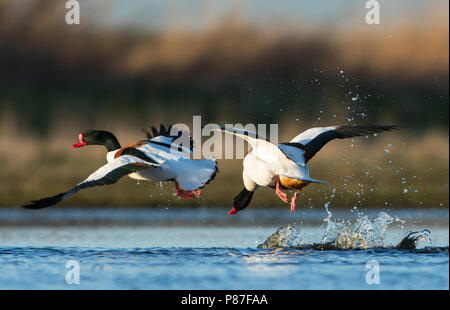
[{"x": 204, "y": 249}]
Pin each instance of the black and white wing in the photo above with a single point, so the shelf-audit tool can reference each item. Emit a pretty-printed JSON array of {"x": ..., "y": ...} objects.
[
  {"x": 250, "y": 136},
  {"x": 309, "y": 142},
  {"x": 172, "y": 148},
  {"x": 167, "y": 137},
  {"x": 105, "y": 175}
]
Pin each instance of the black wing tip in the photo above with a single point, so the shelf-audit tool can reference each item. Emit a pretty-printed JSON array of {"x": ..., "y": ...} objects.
[
  {"x": 343, "y": 132},
  {"x": 387, "y": 127},
  {"x": 349, "y": 131},
  {"x": 373, "y": 126},
  {"x": 166, "y": 132},
  {"x": 147, "y": 133},
  {"x": 44, "y": 202},
  {"x": 381, "y": 128},
  {"x": 155, "y": 132}
]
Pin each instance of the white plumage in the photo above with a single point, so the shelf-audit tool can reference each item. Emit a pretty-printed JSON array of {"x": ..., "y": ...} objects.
[
  {"x": 155, "y": 159},
  {"x": 284, "y": 165}
]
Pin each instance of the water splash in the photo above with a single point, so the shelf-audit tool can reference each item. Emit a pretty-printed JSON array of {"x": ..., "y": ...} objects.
[
  {"x": 413, "y": 238},
  {"x": 285, "y": 237},
  {"x": 329, "y": 224},
  {"x": 364, "y": 233}
]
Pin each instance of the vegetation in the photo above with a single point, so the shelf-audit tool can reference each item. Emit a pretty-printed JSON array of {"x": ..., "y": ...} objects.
[
  {"x": 57, "y": 80},
  {"x": 395, "y": 169}
]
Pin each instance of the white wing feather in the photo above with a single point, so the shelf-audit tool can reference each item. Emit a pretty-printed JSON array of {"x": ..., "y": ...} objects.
[
  {"x": 105, "y": 175},
  {"x": 271, "y": 159},
  {"x": 308, "y": 135},
  {"x": 113, "y": 165},
  {"x": 191, "y": 174}
]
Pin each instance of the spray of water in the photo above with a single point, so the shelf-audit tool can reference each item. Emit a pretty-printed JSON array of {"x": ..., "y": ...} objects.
[
  {"x": 364, "y": 233},
  {"x": 285, "y": 237}
]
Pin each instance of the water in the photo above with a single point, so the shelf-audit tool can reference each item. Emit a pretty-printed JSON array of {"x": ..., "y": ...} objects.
[{"x": 206, "y": 249}]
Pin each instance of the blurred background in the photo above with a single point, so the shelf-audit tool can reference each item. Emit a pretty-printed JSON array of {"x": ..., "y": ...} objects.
[{"x": 133, "y": 64}]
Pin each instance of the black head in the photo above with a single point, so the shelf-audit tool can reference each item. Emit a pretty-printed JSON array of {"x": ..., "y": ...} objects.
[
  {"x": 98, "y": 137},
  {"x": 241, "y": 201}
]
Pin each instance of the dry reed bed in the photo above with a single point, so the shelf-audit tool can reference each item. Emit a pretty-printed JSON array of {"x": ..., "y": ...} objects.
[{"x": 361, "y": 172}]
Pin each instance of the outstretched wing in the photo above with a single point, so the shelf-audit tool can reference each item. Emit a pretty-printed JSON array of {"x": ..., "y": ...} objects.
[
  {"x": 166, "y": 137},
  {"x": 313, "y": 139},
  {"x": 250, "y": 136},
  {"x": 106, "y": 175}
]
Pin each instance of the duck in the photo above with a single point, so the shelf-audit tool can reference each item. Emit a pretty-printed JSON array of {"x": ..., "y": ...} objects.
[
  {"x": 284, "y": 166},
  {"x": 156, "y": 158}
]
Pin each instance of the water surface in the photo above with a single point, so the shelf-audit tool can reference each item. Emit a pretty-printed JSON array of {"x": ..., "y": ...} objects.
[{"x": 206, "y": 249}]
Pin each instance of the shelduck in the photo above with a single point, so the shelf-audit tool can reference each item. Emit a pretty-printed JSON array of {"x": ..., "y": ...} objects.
[
  {"x": 283, "y": 166},
  {"x": 153, "y": 159}
]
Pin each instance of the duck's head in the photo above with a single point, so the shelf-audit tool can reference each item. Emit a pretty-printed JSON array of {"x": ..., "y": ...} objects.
[
  {"x": 241, "y": 201},
  {"x": 98, "y": 137}
]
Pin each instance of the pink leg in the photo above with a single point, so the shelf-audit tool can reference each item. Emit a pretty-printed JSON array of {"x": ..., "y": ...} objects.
[
  {"x": 182, "y": 193},
  {"x": 233, "y": 211},
  {"x": 198, "y": 193},
  {"x": 293, "y": 199},
  {"x": 279, "y": 192}
]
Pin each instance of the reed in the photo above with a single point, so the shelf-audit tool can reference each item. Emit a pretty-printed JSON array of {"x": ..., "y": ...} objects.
[{"x": 395, "y": 169}]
